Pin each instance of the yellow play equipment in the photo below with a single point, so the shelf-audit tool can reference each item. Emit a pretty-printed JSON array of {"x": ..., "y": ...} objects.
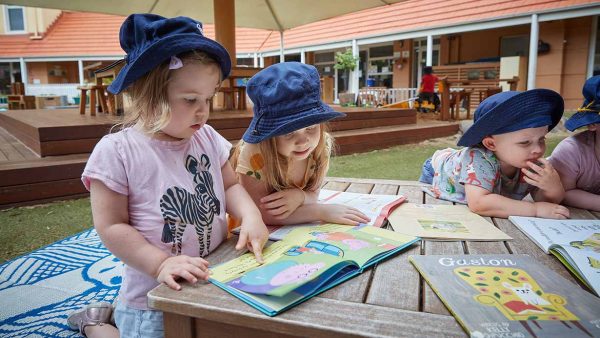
[{"x": 413, "y": 103}]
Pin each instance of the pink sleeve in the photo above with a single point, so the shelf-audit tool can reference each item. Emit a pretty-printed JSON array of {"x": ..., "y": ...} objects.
[
  {"x": 221, "y": 145},
  {"x": 566, "y": 157},
  {"x": 107, "y": 166}
]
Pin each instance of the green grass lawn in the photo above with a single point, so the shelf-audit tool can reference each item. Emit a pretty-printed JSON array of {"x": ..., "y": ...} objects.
[{"x": 25, "y": 229}]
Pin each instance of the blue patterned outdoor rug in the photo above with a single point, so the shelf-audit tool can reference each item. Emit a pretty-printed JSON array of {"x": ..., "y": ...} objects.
[{"x": 39, "y": 290}]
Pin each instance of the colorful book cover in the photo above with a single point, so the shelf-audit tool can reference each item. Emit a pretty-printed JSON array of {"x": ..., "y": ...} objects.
[
  {"x": 510, "y": 296},
  {"x": 306, "y": 262},
  {"x": 444, "y": 222},
  {"x": 377, "y": 207},
  {"x": 575, "y": 242}
]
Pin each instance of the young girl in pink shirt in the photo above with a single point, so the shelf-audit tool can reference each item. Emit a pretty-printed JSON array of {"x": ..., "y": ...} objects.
[
  {"x": 161, "y": 186},
  {"x": 577, "y": 158}
]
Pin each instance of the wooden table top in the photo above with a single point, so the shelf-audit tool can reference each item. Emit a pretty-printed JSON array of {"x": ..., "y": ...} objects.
[{"x": 390, "y": 299}]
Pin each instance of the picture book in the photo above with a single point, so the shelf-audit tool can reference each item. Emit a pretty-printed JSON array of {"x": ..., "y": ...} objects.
[
  {"x": 306, "y": 262},
  {"x": 444, "y": 222},
  {"x": 376, "y": 207},
  {"x": 509, "y": 296},
  {"x": 576, "y": 243}
]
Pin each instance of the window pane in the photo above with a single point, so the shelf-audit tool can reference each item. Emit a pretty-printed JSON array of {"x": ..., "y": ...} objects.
[
  {"x": 325, "y": 70},
  {"x": 324, "y": 57},
  {"x": 382, "y": 51},
  {"x": 514, "y": 45},
  {"x": 15, "y": 19}
]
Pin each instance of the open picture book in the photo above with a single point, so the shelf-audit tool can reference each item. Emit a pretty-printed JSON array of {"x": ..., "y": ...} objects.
[
  {"x": 443, "y": 223},
  {"x": 510, "y": 296},
  {"x": 376, "y": 207},
  {"x": 306, "y": 262},
  {"x": 576, "y": 243}
]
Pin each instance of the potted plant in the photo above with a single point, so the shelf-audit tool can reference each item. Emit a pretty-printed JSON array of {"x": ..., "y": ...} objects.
[{"x": 346, "y": 62}]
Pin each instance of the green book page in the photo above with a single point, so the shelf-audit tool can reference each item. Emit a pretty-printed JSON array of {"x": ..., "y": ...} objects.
[{"x": 313, "y": 256}]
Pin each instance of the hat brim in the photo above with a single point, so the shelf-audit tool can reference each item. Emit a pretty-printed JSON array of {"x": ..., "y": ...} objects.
[
  {"x": 287, "y": 124},
  {"x": 153, "y": 56},
  {"x": 582, "y": 119},
  {"x": 526, "y": 102}
]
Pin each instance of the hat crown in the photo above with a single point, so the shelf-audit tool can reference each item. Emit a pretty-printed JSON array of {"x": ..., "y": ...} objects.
[
  {"x": 591, "y": 90},
  {"x": 140, "y": 31},
  {"x": 488, "y": 105},
  {"x": 285, "y": 87}
]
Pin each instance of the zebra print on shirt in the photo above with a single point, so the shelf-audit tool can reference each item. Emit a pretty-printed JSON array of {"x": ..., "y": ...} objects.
[{"x": 180, "y": 207}]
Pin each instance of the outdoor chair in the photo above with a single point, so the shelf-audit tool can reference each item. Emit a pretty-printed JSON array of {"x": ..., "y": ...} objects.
[
  {"x": 484, "y": 94},
  {"x": 460, "y": 98},
  {"x": 234, "y": 98},
  {"x": 16, "y": 102}
]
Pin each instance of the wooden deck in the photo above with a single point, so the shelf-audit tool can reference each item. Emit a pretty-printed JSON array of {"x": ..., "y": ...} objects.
[{"x": 43, "y": 152}]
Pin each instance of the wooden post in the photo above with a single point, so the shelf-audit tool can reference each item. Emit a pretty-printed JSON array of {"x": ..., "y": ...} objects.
[
  {"x": 513, "y": 83},
  {"x": 444, "y": 87},
  {"x": 224, "y": 13}
]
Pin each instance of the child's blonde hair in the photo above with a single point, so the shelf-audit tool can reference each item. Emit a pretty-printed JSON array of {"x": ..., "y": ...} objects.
[
  {"x": 276, "y": 166},
  {"x": 149, "y": 97}
]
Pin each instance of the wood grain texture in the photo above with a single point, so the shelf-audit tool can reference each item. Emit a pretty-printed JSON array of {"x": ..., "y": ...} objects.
[
  {"x": 392, "y": 298},
  {"x": 431, "y": 302}
]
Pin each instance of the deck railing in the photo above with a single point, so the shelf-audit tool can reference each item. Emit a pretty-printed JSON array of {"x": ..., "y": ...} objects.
[
  {"x": 379, "y": 96},
  {"x": 59, "y": 89}
]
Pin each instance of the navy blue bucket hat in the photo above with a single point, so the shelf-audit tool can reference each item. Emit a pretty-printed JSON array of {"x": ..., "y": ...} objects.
[
  {"x": 286, "y": 97},
  {"x": 511, "y": 111},
  {"x": 589, "y": 112},
  {"x": 150, "y": 40}
]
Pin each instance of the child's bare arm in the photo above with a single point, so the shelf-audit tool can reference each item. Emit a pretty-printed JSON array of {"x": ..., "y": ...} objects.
[
  {"x": 254, "y": 233},
  {"x": 111, "y": 218},
  {"x": 546, "y": 178},
  {"x": 283, "y": 203},
  {"x": 485, "y": 203},
  {"x": 308, "y": 212},
  {"x": 576, "y": 197}
]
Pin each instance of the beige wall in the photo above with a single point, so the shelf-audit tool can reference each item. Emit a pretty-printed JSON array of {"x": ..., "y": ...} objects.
[
  {"x": 477, "y": 45},
  {"x": 562, "y": 69},
  {"x": 577, "y": 32},
  {"x": 36, "y": 19},
  {"x": 402, "y": 74},
  {"x": 45, "y": 72}
]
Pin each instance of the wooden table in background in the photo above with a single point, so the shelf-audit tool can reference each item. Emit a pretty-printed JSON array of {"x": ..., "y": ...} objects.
[{"x": 390, "y": 299}]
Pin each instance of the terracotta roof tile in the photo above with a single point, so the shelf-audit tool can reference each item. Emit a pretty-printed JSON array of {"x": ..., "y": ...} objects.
[
  {"x": 92, "y": 34},
  {"x": 411, "y": 15}
]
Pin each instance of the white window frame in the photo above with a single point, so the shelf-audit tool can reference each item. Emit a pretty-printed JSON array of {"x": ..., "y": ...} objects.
[{"x": 7, "y": 29}]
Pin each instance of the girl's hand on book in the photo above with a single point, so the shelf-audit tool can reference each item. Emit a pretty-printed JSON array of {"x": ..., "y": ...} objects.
[
  {"x": 341, "y": 214},
  {"x": 253, "y": 235},
  {"x": 551, "y": 210},
  {"x": 283, "y": 203},
  {"x": 184, "y": 267}
]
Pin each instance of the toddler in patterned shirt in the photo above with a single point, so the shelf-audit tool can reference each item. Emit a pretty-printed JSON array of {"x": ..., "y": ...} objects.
[{"x": 502, "y": 161}]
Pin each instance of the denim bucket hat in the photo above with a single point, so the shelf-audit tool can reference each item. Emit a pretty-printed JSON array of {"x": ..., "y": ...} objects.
[
  {"x": 590, "y": 110},
  {"x": 286, "y": 97},
  {"x": 511, "y": 111},
  {"x": 150, "y": 40}
]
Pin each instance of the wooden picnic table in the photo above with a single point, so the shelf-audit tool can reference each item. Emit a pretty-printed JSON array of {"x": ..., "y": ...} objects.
[{"x": 390, "y": 299}]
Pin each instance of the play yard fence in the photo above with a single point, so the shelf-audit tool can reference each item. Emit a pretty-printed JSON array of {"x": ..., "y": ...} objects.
[{"x": 58, "y": 89}]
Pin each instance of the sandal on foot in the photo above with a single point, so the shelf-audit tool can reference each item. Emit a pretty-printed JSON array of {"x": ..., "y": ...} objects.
[{"x": 91, "y": 315}]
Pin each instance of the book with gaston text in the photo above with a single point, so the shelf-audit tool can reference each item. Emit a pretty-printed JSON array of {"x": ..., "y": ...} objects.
[
  {"x": 306, "y": 262},
  {"x": 575, "y": 242},
  {"x": 510, "y": 296}
]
